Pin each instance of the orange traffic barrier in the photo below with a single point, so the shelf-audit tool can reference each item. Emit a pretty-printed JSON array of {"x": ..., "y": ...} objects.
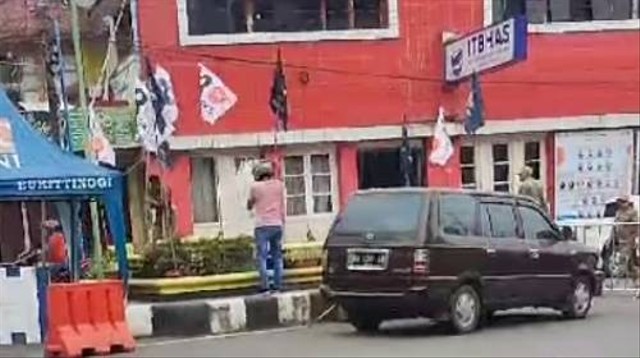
[{"x": 87, "y": 317}]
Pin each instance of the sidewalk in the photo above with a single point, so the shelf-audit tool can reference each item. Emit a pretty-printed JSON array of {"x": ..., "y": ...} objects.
[{"x": 225, "y": 315}]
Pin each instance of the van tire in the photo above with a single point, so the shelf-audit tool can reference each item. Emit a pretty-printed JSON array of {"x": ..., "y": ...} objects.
[
  {"x": 580, "y": 298},
  {"x": 465, "y": 310},
  {"x": 365, "y": 324}
]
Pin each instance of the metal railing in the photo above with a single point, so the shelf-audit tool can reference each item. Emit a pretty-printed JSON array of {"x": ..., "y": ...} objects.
[{"x": 615, "y": 252}]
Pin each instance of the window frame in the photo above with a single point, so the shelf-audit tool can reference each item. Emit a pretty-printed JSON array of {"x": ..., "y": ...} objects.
[
  {"x": 474, "y": 166},
  {"x": 569, "y": 27},
  {"x": 516, "y": 142},
  {"x": 308, "y": 182},
  {"x": 392, "y": 31},
  {"x": 216, "y": 180}
]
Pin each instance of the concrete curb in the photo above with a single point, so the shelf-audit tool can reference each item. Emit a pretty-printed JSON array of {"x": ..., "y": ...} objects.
[{"x": 227, "y": 315}]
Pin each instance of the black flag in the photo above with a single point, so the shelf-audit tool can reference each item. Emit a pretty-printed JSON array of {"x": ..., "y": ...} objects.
[{"x": 278, "y": 101}]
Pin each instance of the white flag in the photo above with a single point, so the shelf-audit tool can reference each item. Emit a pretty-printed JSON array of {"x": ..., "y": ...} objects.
[
  {"x": 99, "y": 144},
  {"x": 170, "y": 108},
  {"x": 215, "y": 97},
  {"x": 145, "y": 117},
  {"x": 442, "y": 148}
]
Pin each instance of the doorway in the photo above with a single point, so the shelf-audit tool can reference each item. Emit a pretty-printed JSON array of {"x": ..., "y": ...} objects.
[{"x": 381, "y": 168}]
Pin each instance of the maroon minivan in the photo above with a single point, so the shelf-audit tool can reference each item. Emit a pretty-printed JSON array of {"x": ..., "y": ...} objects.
[{"x": 453, "y": 256}]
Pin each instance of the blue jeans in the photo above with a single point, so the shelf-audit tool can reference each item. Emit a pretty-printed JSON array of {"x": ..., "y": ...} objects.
[{"x": 269, "y": 241}]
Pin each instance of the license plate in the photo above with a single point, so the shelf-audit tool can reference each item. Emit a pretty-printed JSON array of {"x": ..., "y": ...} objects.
[{"x": 367, "y": 259}]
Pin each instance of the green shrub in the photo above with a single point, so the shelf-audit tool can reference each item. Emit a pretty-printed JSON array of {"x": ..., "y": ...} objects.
[
  {"x": 213, "y": 257},
  {"x": 197, "y": 258}
]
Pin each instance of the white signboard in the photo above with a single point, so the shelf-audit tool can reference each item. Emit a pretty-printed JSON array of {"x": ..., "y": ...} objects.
[
  {"x": 592, "y": 168},
  {"x": 493, "y": 46}
]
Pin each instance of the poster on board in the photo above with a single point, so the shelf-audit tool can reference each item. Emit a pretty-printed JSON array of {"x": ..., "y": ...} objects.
[{"x": 592, "y": 168}]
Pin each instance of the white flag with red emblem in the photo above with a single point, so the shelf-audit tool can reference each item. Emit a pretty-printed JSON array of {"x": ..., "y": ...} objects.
[
  {"x": 442, "y": 148},
  {"x": 215, "y": 97}
]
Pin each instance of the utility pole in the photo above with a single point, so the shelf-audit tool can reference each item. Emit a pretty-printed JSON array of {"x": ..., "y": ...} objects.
[{"x": 77, "y": 48}]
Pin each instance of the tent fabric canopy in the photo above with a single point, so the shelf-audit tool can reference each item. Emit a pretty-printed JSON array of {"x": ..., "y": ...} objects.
[{"x": 33, "y": 168}]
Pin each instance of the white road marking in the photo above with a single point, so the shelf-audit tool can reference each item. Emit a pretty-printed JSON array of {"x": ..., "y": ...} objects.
[{"x": 221, "y": 336}]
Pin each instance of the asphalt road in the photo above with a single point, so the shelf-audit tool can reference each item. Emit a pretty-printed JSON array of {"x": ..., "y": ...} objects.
[{"x": 611, "y": 330}]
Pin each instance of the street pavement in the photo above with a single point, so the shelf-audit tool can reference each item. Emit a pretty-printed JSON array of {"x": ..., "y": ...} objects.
[{"x": 611, "y": 330}]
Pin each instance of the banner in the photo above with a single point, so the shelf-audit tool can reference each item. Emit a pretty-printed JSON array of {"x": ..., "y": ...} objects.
[
  {"x": 592, "y": 168},
  {"x": 118, "y": 125}
]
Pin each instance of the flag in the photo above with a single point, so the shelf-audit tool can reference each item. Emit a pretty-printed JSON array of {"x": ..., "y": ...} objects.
[
  {"x": 279, "y": 101},
  {"x": 406, "y": 156},
  {"x": 475, "y": 107},
  {"x": 145, "y": 117},
  {"x": 215, "y": 97},
  {"x": 165, "y": 111},
  {"x": 100, "y": 147},
  {"x": 442, "y": 148}
]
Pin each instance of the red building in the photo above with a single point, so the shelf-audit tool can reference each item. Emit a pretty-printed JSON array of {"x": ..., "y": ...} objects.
[{"x": 355, "y": 70}]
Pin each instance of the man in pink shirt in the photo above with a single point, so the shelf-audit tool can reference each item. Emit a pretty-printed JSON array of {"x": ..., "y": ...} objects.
[{"x": 266, "y": 199}]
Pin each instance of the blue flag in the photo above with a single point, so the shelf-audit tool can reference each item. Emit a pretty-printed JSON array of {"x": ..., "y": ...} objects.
[{"x": 475, "y": 107}]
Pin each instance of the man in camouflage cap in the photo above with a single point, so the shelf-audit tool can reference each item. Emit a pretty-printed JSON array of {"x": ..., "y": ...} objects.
[{"x": 531, "y": 187}]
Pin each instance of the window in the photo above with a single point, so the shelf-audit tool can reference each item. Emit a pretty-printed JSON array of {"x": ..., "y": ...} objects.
[
  {"x": 458, "y": 214},
  {"x": 295, "y": 186},
  {"x": 501, "y": 167},
  {"x": 502, "y": 222},
  {"x": 532, "y": 157},
  {"x": 219, "y": 17},
  {"x": 309, "y": 184},
  {"x": 468, "y": 166},
  {"x": 535, "y": 226},
  {"x": 204, "y": 190},
  {"x": 321, "y": 184},
  {"x": 382, "y": 213},
  {"x": 553, "y": 11}
]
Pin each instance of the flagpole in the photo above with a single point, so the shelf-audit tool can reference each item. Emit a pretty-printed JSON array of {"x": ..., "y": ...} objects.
[{"x": 93, "y": 208}]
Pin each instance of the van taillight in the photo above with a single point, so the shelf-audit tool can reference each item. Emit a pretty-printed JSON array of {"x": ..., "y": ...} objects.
[{"x": 421, "y": 261}]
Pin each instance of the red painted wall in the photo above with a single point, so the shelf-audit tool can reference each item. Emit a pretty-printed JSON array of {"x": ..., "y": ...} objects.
[{"x": 566, "y": 74}]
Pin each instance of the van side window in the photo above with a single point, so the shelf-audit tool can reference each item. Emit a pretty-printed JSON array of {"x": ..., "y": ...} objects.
[
  {"x": 502, "y": 221},
  {"x": 457, "y": 214},
  {"x": 535, "y": 226}
]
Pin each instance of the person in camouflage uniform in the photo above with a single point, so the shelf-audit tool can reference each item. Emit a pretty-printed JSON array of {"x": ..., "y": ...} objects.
[
  {"x": 531, "y": 187},
  {"x": 628, "y": 234}
]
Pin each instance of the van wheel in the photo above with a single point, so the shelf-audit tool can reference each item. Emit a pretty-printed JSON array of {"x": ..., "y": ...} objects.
[
  {"x": 465, "y": 309},
  {"x": 579, "y": 300},
  {"x": 365, "y": 324}
]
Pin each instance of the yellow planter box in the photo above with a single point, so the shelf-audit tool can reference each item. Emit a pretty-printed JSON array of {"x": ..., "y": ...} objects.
[{"x": 217, "y": 283}]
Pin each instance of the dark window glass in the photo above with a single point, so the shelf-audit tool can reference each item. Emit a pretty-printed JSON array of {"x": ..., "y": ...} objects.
[
  {"x": 216, "y": 16},
  {"x": 395, "y": 213},
  {"x": 468, "y": 177},
  {"x": 338, "y": 15},
  {"x": 501, "y": 220},
  {"x": 500, "y": 152},
  {"x": 458, "y": 214},
  {"x": 535, "y": 226},
  {"x": 367, "y": 14},
  {"x": 532, "y": 157},
  {"x": 467, "y": 155}
]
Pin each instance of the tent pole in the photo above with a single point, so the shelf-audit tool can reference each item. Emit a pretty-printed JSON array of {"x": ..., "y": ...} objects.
[{"x": 75, "y": 26}]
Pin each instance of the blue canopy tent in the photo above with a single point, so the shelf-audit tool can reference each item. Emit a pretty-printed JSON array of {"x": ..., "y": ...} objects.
[{"x": 32, "y": 168}]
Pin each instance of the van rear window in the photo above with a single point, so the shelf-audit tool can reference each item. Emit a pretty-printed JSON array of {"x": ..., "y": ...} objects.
[{"x": 391, "y": 213}]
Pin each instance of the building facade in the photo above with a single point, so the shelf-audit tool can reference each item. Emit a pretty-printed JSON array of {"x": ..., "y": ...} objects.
[{"x": 356, "y": 71}]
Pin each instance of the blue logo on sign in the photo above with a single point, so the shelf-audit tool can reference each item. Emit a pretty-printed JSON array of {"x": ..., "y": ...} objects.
[{"x": 456, "y": 62}]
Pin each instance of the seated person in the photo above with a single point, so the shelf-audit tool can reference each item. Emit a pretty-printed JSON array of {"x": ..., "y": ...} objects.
[{"x": 57, "y": 256}]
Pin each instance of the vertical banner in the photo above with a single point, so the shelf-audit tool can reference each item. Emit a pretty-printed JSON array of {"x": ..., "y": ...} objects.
[{"x": 592, "y": 168}]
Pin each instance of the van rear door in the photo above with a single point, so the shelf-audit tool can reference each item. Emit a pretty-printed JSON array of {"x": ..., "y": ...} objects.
[{"x": 372, "y": 243}]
